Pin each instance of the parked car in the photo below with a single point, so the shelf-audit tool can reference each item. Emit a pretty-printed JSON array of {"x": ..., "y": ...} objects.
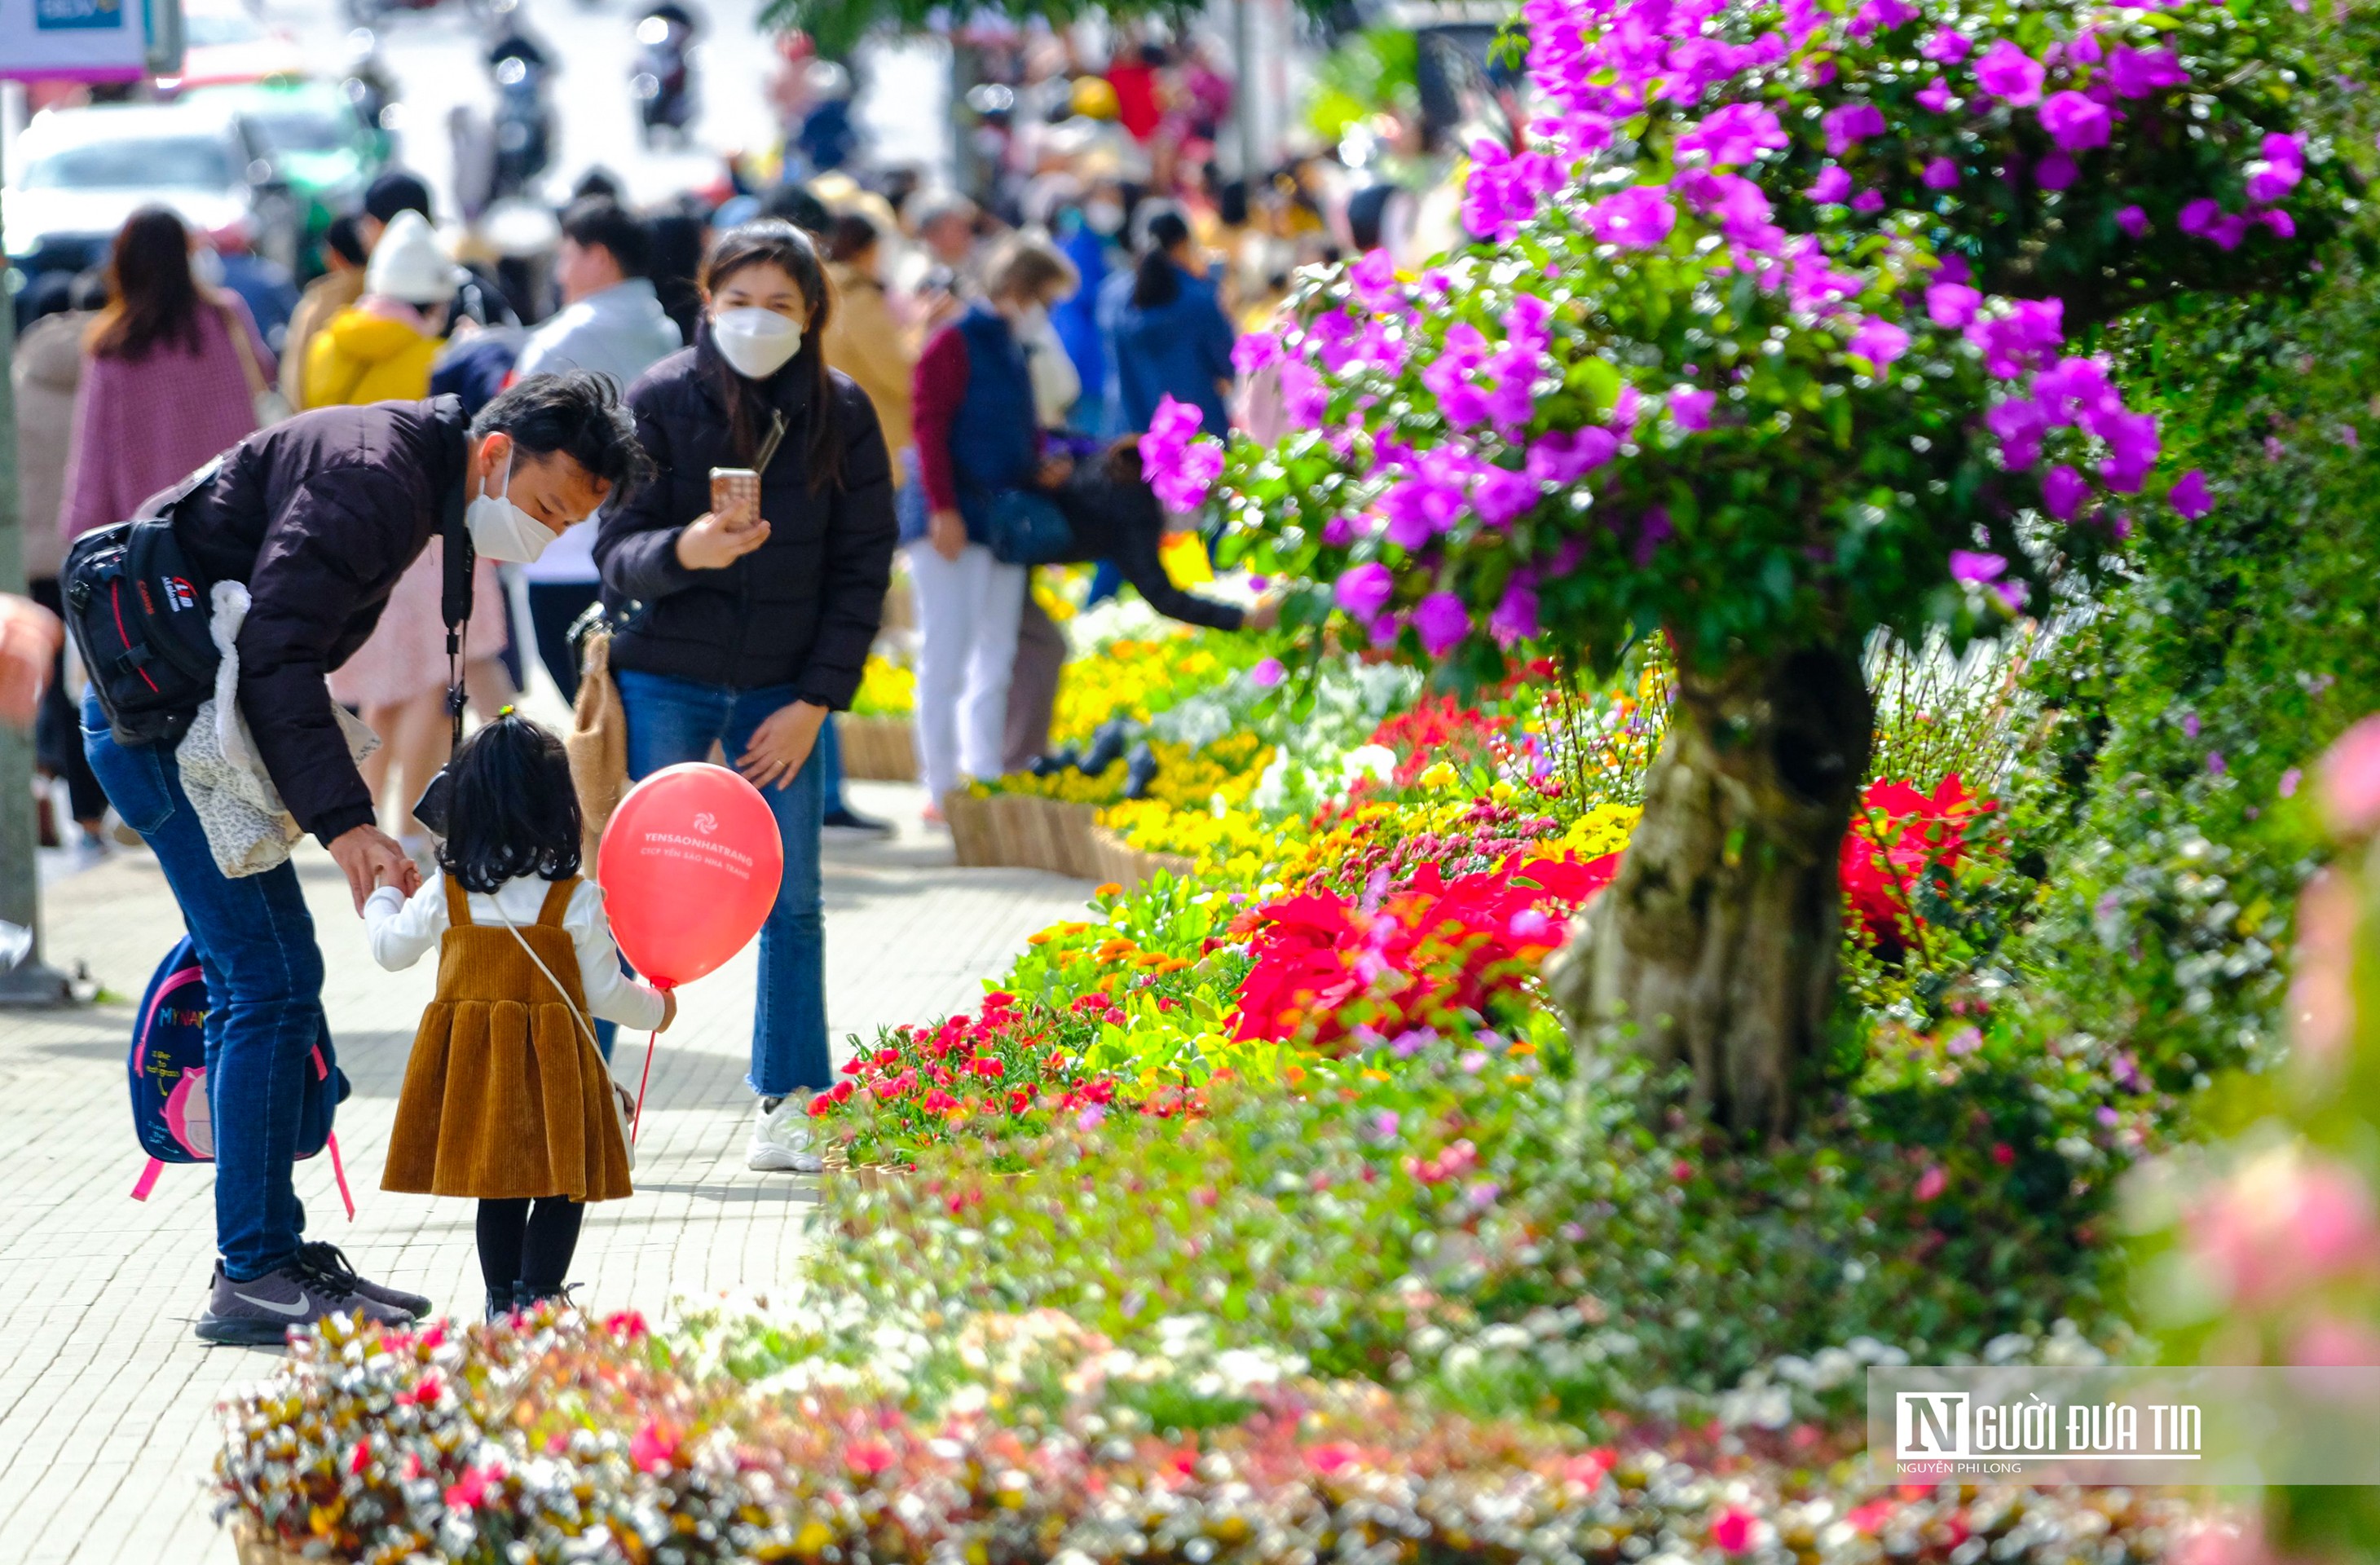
[
  {"x": 77, "y": 173},
  {"x": 225, "y": 43},
  {"x": 317, "y": 142}
]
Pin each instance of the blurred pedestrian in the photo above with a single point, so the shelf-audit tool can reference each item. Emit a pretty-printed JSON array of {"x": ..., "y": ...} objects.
[
  {"x": 170, "y": 374},
  {"x": 45, "y": 371},
  {"x": 29, "y": 646},
  {"x": 341, "y": 283},
  {"x": 1166, "y": 330},
  {"x": 757, "y": 621},
  {"x": 945, "y": 225},
  {"x": 382, "y": 350},
  {"x": 865, "y": 340},
  {"x": 612, "y": 323},
  {"x": 978, "y": 436}
]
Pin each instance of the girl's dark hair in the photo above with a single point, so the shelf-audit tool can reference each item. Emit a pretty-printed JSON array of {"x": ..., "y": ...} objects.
[
  {"x": 511, "y": 810},
  {"x": 773, "y": 241},
  {"x": 851, "y": 237},
  {"x": 152, "y": 297},
  {"x": 1157, "y": 279}
]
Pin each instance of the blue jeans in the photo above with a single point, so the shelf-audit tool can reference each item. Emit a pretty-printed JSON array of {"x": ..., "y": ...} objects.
[
  {"x": 256, "y": 944},
  {"x": 677, "y": 720},
  {"x": 829, "y": 759}
]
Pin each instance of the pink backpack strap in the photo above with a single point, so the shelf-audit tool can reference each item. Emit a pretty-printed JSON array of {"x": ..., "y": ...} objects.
[
  {"x": 339, "y": 1172},
  {"x": 148, "y": 1180}
]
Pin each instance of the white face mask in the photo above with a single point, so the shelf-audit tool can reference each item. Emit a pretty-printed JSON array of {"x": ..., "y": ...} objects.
[
  {"x": 756, "y": 342},
  {"x": 1103, "y": 217},
  {"x": 502, "y": 530},
  {"x": 1032, "y": 321}
]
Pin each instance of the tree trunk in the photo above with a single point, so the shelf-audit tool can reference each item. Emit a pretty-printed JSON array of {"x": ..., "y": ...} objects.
[{"x": 1716, "y": 945}]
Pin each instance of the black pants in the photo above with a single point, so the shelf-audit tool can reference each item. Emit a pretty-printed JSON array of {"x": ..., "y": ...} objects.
[
  {"x": 528, "y": 1244},
  {"x": 58, "y": 733},
  {"x": 552, "y": 606}
]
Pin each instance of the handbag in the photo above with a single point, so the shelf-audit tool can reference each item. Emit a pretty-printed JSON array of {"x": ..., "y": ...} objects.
[
  {"x": 139, "y": 613},
  {"x": 597, "y": 742},
  {"x": 263, "y": 396},
  {"x": 1028, "y": 528}
]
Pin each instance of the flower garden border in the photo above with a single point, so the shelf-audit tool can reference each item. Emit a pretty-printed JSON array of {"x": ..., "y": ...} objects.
[
  {"x": 878, "y": 749},
  {"x": 257, "y": 1548},
  {"x": 1022, "y": 830}
]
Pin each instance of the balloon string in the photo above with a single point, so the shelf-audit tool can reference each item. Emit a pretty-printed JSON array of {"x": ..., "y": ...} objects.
[{"x": 638, "y": 1121}]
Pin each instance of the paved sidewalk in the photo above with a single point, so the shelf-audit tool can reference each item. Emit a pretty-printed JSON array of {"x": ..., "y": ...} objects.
[{"x": 106, "y": 1401}]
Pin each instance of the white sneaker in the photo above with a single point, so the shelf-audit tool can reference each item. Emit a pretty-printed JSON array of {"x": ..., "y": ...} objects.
[{"x": 781, "y": 1139}]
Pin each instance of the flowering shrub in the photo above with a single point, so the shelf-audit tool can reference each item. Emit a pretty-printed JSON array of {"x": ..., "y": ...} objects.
[
  {"x": 886, "y": 689},
  {"x": 1084, "y": 1455}
]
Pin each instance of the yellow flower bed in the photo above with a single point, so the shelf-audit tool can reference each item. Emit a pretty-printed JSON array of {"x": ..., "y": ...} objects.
[
  {"x": 1124, "y": 681},
  {"x": 1185, "y": 779},
  {"x": 886, "y": 689},
  {"x": 1237, "y": 845}
]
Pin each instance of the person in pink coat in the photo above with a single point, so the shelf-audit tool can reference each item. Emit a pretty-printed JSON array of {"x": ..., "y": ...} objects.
[{"x": 170, "y": 376}]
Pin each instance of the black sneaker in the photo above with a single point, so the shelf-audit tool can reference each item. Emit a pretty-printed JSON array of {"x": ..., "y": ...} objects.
[
  {"x": 262, "y": 1311},
  {"x": 328, "y": 1259},
  {"x": 852, "y": 820}
]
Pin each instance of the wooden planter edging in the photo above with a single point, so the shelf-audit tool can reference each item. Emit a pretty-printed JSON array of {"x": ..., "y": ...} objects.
[
  {"x": 256, "y": 1548},
  {"x": 878, "y": 749},
  {"x": 1036, "y": 833}
]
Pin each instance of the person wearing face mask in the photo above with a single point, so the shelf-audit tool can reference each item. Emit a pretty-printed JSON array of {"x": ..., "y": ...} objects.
[
  {"x": 745, "y": 628},
  {"x": 383, "y": 347},
  {"x": 978, "y": 434},
  {"x": 321, "y": 517}
]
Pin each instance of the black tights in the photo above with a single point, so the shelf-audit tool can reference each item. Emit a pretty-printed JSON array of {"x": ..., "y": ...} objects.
[{"x": 528, "y": 1246}]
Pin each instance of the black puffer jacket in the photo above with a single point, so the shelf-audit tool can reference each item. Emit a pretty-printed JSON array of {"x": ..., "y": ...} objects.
[
  {"x": 802, "y": 609},
  {"x": 321, "y": 516}
]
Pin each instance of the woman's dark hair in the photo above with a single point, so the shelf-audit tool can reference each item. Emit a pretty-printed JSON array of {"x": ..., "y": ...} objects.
[
  {"x": 772, "y": 241},
  {"x": 594, "y": 223},
  {"x": 1157, "y": 279},
  {"x": 851, "y": 237},
  {"x": 345, "y": 240},
  {"x": 153, "y": 299},
  {"x": 511, "y": 810},
  {"x": 577, "y": 413}
]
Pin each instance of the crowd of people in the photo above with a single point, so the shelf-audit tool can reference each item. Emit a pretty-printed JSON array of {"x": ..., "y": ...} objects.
[{"x": 900, "y": 366}]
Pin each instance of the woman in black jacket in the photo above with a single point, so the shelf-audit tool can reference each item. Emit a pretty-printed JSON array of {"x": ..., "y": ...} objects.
[{"x": 744, "y": 629}]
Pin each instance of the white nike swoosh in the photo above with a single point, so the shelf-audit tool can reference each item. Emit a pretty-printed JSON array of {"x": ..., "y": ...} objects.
[{"x": 300, "y": 1307}]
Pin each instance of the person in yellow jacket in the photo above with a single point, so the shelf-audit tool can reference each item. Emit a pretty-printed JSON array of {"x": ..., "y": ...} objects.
[{"x": 380, "y": 349}]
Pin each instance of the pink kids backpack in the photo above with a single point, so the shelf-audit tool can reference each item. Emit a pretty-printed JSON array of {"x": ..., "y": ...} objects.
[{"x": 168, "y": 1070}]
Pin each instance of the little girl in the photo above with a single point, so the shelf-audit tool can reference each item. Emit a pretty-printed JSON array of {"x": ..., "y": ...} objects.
[{"x": 506, "y": 1098}]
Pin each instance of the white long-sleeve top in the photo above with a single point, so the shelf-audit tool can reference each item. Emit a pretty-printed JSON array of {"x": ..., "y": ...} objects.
[{"x": 404, "y": 929}]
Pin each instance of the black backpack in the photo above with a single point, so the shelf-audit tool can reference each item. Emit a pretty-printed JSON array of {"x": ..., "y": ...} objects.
[{"x": 140, "y": 614}]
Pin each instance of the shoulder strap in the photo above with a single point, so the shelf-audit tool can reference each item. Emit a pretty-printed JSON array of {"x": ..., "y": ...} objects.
[
  {"x": 249, "y": 368},
  {"x": 769, "y": 442},
  {"x": 459, "y": 907},
  {"x": 557, "y": 903},
  {"x": 455, "y": 591}
]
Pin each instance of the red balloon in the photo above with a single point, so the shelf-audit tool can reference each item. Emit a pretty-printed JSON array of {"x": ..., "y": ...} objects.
[{"x": 689, "y": 867}]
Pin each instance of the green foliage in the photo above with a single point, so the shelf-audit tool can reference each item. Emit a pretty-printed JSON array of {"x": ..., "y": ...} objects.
[{"x": 1374, "y": 71}]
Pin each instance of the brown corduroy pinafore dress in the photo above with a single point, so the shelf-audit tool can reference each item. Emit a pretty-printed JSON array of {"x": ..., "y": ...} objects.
[{"x": 505, "y": 1096}]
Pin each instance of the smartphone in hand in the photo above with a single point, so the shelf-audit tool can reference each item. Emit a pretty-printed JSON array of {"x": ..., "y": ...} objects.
[{"x": 736, "y": 496}]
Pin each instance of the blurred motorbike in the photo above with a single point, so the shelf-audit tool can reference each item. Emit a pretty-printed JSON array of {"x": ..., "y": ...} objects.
[{"x": 663, "y": 79}]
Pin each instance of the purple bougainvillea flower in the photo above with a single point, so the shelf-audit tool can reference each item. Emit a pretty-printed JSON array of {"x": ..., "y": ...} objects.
[
  {"x": 1976, "y": 569},
  {"x": 2132, "y": 221},
  {"x": 2085, "y": 50},
  {"x": 2276, "y": 174},
  {"x": 2280, "y": 222},
  {"x": 1849, "y": 123},
  {"x": 1637, "y": 218},
  {"x": 1879, "y": 341},
  {"x": 1364, "y": 591},
  {"x": 1566, "y": 455},
  {"x": 1937, "y": 95},
  {"x": 1652, "y": 532},
  {"x": 2133, "y": 449},
  {"x": 1268, "y": 673},
  {"x": 1832, "y": 187},
  {"x": 1947, "y": 46},
  {"x": 2199, "y": 219},
  {"x": 2215, "y": 763},
  {"x": 1880, "y": 16},
  {"x": 2056, "y": 171},
  {"x": 2009, "y": 74},
  {"x": 2190, "y": 725},
  {"x": 2189, "y": 496},
  {"x": 1178, "y": 466},
  {"x": 2063, "y": 491},
  {"x": 1690, "y": 408},
  {"x": 2136, "y": 73},
  {"x": 1256, "y": 351},
  {"x": 1941, "y": 175},
  {"x": 2019, "y": 423},
  {"x": 1515, "y": 618},
  {"x": 1442, "y": 622},
  {"x": 1733, "y": 136},
  {"x": 1951, "y": 304},
  {"x": 1339, "y": 532},
  {"x": 2076, "y": 123},
  {"x": 2076, "y": 390},
  {"x": 1868, "y": 201},
  {"x": 1502, "y": 496}
]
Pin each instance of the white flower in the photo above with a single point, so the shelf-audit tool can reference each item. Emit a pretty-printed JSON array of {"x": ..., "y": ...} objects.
[{"x": 1376, "y": 761}]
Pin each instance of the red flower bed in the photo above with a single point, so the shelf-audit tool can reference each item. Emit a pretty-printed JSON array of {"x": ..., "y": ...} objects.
[
  {"x": 1326, "y": 965},
  {"x": 1439, "y": 729},
  {"x": 1898, "y": 838}
]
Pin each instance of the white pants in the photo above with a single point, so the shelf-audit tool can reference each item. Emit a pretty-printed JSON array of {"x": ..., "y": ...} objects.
[{"x": 967, "y": 610}]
